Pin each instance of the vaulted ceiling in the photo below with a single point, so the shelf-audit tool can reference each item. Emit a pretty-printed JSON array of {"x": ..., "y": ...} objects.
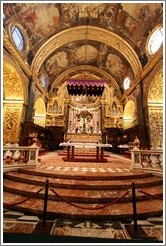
[{"x": 85, "y": 40}]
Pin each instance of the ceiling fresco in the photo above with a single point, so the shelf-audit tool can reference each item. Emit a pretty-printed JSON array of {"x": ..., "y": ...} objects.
[
  {"x": 131, "y": 22},
  {"x": 46, "y": 19},
  {"x": 94, "y": 53}
]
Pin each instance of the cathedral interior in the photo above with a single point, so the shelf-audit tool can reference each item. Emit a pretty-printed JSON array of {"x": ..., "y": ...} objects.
[{"x": 83, "y": 72}]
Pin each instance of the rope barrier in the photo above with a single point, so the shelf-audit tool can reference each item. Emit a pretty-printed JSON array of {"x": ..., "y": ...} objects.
[
  {"x": 97, "y": 207},
  {"x": 17, "y": 203},
  {"x": 153, "y": 196}
]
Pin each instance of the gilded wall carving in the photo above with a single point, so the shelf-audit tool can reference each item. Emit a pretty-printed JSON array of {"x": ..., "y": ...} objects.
[
  {"x": 13, "y": 88},
  {"x": 149, "y": 80},
  {"x": 11, "y": 123},
  {"x": 24, "y": 80},
  {"x": 156, "y": 89},
  {"x": 156, "y": 127},
  {"x": 155, "y": 110}
]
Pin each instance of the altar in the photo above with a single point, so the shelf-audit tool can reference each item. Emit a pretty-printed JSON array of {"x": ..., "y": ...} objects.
[{"x": 98, "y": 154}]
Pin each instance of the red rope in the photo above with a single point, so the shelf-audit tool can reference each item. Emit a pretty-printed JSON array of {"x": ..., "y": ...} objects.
[
  {"x": 97, "y": 207},
  {"x": 146, "y": 193},
  {"x": 14, "y": 204}
]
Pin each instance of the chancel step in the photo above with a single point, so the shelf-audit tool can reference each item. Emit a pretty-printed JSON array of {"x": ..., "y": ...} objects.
[{"x": 90, "y": 192}]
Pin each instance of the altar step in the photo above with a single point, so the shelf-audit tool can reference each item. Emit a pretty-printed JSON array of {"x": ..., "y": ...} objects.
[{"x": 89, "y": 193}]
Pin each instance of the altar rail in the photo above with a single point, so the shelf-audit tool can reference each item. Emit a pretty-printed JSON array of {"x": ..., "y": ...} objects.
[
  {"x": 19, "y": 157},
  {"x": 148, "y": 160}
]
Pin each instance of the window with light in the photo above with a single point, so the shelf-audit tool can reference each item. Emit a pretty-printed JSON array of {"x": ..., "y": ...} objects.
[
  {"x": 18, "y": 38},
  {"x": 155, "y": 41},
  {"x": 43, "y": 80},
  {"x": 126, "y": 83}
]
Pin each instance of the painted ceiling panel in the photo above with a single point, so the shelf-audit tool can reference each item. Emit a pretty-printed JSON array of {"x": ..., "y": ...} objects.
[
  {"x": 45, "y": 19},
  {"x": 131, "y": 22},
  {"x": 95, "y": 54}
]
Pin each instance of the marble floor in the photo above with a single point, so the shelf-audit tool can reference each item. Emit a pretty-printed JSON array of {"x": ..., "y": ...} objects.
[{"x": 17, "y": 222}]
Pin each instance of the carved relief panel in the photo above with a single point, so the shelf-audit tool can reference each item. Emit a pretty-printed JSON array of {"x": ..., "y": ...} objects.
[
  {"x": 11, "y": 124},
  {"x": 155, "y": 110},
  {"x": 156, "y": 127}
]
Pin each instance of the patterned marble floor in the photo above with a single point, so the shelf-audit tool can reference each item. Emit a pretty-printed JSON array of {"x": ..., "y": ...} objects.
[
  {"x": 115, "y": 163},
  {"x": 17, "y": 222}
]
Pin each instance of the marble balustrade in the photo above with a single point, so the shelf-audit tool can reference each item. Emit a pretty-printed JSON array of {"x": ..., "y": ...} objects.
[
  {"x": 16, "y": 157},
  {"x": 149, "y": 160}
]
